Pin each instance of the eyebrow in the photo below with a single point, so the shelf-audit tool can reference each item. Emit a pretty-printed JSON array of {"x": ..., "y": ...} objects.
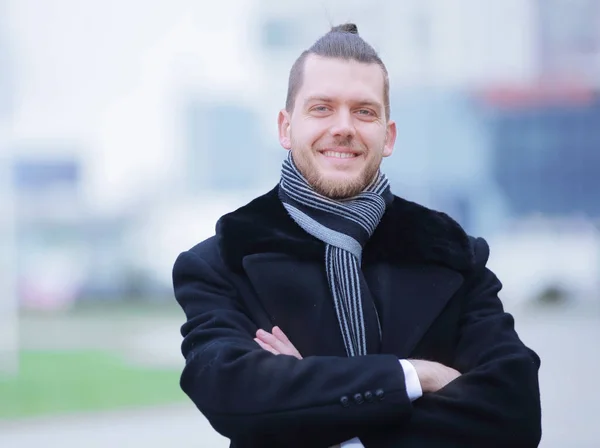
[{"x": 318, "y": 99}]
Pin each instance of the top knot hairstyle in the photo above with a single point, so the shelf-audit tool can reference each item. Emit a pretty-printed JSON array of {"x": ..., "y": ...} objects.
[
  {"x": 345, "y": 28},
  {"x": 341, "y": 42}
]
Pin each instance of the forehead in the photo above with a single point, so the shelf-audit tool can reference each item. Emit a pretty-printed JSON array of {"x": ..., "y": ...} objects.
[{"x": 342, "y": 79}]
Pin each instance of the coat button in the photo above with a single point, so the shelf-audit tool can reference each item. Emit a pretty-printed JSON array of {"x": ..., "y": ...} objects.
[
  {"x": 369, "y": 396},
  {"x": 379, "y": 394},
  {"x": 345, "y": 401},
  {"x": 358, "y": 399}
]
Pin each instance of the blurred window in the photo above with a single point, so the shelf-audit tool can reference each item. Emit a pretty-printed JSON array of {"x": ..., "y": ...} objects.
[
  {"x": 548, "y": 160},
  {"x": 279, "y": 33}
]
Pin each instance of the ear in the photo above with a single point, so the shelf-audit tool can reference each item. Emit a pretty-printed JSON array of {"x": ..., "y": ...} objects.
[
  {"x": 390, "y": 139},
  {"x": 284, "y": 125}
]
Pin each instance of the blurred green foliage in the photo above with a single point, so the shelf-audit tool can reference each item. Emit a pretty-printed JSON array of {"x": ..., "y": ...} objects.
[{"x": 58, "y": 382}]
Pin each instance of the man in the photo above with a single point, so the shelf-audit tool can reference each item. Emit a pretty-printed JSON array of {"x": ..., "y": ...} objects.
[{"x": 330, "y": 311}]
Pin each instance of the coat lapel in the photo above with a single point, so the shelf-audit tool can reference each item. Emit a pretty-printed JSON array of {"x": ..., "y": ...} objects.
[
  {"x": 409, "y": 299},
  {"x": 296, "y": 297}
]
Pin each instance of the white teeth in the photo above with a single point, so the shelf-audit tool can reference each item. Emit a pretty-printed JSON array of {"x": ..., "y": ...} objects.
[{"x": 339, "y": 155}]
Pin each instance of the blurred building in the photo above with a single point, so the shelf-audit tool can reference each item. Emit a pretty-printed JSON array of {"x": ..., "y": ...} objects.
[
  {"x": 225, "y": 147},
  {"x": 544, "y": 146},
  {"x": 52, "y": 254},
  {"x": 448, "y": 44},
  {"x": 171, "y": 117},
  {"x": 569, "y": 40},
  {"x": 450, "y": 151}
]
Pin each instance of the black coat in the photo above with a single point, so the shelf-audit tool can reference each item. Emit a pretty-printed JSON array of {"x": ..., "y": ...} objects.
[{"x": 436, "y": 300}]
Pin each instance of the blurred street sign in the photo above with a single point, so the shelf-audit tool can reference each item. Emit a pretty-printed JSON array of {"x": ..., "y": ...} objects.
[{"x": 39, "y": 174}]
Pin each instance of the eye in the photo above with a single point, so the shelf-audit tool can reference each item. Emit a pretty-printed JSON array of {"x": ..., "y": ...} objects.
[
  {"x": 320, "y": 108},
  {"x": 366, "y": 113}
]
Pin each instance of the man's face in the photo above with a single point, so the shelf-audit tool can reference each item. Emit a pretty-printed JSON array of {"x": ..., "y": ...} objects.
[{"x": 338, "y": 132}]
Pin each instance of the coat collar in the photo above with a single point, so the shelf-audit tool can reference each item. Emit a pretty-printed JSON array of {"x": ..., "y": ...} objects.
[{"x": 407, "y": 234}]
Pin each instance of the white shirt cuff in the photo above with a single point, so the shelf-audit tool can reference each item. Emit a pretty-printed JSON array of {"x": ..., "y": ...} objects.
[
  {"x": 413, "y": 389},
  {"x": 411, "y": 379},
  {"x": 353, "y": 443}
]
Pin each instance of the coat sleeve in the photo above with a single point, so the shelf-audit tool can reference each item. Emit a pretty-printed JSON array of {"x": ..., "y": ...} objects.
[
  {"x": 496, "y": 400},
  {"x": 248, "y": 394}
]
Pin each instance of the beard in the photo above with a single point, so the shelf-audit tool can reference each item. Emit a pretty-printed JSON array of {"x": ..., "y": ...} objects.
[{"x": 334, "y": 188}]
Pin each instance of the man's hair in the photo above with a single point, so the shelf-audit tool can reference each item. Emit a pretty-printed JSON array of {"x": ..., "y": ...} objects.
[{"x": 341, "y": 42}]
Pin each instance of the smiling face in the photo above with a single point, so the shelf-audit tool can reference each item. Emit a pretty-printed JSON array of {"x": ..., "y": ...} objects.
[{"x": 338, "y": 131}]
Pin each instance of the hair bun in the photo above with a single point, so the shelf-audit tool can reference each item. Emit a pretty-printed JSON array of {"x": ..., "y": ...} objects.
[{"x": 345, "y": 28}]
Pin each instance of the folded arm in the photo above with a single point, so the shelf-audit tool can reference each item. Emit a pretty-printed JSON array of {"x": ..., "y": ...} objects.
[
  {"x": 278, "y": 343},
  {"x": 248, "y": 394},
  {"x": 495, "y": 402}
]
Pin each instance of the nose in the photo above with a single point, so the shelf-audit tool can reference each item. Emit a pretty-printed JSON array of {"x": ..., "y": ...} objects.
[{"x": 343, "y": 125}]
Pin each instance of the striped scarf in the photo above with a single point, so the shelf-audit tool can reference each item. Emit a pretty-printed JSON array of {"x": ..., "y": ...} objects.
[{"x": 344, "y": 226}]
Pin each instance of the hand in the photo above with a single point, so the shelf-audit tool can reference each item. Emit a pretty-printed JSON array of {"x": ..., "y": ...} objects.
[
  {"x": 433, "y": 375},
  {"x": 276, "y": 343}
]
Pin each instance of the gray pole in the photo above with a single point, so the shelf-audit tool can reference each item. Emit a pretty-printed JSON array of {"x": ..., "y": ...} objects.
[{"x": 9, "y": 344}]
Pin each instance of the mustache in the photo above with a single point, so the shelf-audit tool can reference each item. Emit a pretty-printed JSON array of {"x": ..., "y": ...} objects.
[{"x": 342, "y": 143}]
